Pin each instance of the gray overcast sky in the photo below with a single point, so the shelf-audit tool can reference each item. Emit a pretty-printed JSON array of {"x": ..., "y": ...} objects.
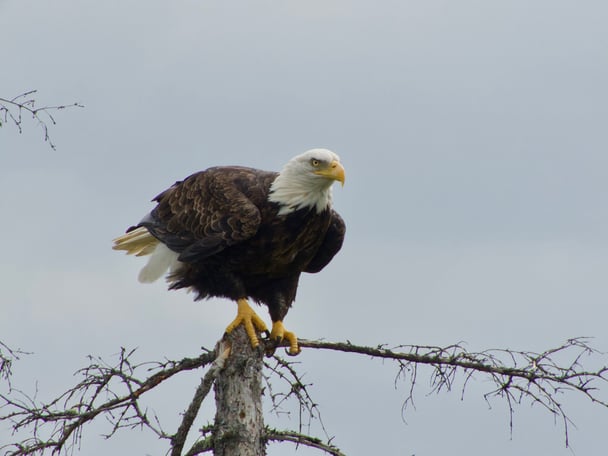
[{"x": 475, "y": 142}]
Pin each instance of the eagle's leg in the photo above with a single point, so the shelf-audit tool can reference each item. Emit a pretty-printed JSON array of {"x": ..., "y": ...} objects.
[
  {"x": 279, "y": 333},
  {"x": 246, "y": 316}
]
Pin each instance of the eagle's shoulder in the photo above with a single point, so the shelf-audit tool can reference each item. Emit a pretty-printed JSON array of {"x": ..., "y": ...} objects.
[{"x": 215, "y": 182}]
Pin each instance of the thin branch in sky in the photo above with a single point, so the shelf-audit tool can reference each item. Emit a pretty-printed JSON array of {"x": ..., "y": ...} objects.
[
  {"x": 517, "y": 376},
  {"x": 13, "y": 109},
  {"x": 7, "y": 356}
]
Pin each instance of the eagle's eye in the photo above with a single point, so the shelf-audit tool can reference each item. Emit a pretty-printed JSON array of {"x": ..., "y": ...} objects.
[{"x": 314, "y": 162}]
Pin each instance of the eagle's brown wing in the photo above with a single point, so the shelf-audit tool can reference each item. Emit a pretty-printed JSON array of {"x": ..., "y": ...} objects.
[{"x": 207, "y": 212}]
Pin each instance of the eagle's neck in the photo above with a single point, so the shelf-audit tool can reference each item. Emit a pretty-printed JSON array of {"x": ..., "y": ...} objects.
[{"x": 294, "y": 191}]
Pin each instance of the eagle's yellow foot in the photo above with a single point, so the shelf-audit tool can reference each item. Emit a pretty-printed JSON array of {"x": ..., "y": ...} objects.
[
  {"x": 246, "y": 315},
  {"x": 279, "y": 333}
]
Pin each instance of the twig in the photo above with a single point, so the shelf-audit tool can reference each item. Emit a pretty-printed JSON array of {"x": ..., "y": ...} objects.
[
  {"x": 296, "y": 389},
  {"x": 7, "y": 357},
  {"x": 12, "y": 110}
]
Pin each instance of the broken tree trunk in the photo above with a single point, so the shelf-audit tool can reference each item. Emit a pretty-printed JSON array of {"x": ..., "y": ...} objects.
[{"x": 239, "y": 422}]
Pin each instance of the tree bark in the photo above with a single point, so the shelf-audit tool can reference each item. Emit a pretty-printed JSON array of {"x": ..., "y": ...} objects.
[{"x": 239, "y": 422}]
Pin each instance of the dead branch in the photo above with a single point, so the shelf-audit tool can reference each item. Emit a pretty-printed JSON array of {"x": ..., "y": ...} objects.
[
  {"x": 518, "y": 376},
  {"x": 57, "y": 425},
  {"x": 202, "y": 446},
  {"x": 7, "y": 357},
  {"x": 301, "y": 439},
  {"x": 13, "y": 109},
  {"x": 294, "y": 389},
  {"x": 115, "y": 390},
  {"x": 179, "y": 438}
]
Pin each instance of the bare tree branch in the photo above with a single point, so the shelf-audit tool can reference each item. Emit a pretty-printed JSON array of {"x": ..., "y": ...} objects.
[
  {"x": 301, "y": 439},
  {"x": 202, "y": 446},
  {"x": 115, "y": 391},
  {"x": 518, "y": 376},
  {"x": 295, "y": 388},
  {"x": 58, "y": 424},
  {"x": 7, "y": 357},
  {"x": 12, "y": 110},
  {"x": 179, "y": 438}
]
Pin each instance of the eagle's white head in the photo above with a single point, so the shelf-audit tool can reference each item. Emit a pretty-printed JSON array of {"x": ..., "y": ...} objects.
[{"x": 305, "y": 181}]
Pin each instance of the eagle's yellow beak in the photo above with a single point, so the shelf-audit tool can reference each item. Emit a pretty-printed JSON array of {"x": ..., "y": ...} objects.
[{"x": 334, "y": 171}]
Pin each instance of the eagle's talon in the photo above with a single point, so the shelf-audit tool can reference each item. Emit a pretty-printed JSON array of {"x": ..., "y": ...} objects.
[
  {"x": 280, "y": 334},
  {"x": 250, "y": 320},
  {"x": 270, "y": 350},
  {"x": 296, "y": 353}
]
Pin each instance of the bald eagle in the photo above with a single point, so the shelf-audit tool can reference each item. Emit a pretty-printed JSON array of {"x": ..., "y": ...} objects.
[{"x": 242, "y": 233}]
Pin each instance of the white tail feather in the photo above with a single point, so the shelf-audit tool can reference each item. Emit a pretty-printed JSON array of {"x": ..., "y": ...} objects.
[
  {"x": 136, "y": 242},
  {"x": 161, "y": 260}
]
